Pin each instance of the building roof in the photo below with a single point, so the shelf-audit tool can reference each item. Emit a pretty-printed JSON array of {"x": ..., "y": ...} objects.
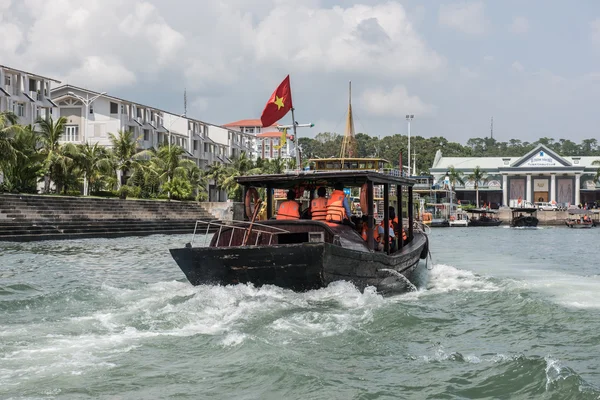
[
  {"x": 62, "y": 87},
  {"x": 274, "y": 134},
  {"x": 29, "y": 73},
  {"x": 442, "y": 164},
  {"x": 246, "y": 123}
]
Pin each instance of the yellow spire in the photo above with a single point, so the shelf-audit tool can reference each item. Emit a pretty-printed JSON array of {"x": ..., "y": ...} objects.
[{"x": 349, "y": 146}]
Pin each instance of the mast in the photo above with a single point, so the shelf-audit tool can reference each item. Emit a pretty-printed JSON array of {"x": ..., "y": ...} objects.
[{"x": 349, "y": 142}]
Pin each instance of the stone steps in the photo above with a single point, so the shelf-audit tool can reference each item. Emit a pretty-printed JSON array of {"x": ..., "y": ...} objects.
[{"x": 31, "y": 217}]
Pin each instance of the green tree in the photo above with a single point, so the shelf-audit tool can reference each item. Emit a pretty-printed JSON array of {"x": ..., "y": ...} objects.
[
  {"x": 216, "y": 173},
  {"x": 124, "y": 148},
  {"x": 477, "y": 176},
  {"x": 8, "y": 128},
  {"x": 455, "y": 176},
  {"x": 22, "y": 174},
  {"x": 50, "y": 133},
  {"x": 90, "y": 159},
  {"x": 597, "y": 175}
]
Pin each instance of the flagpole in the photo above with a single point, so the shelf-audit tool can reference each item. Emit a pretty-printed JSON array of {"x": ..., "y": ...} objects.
[{"x": 296, "y": 142}]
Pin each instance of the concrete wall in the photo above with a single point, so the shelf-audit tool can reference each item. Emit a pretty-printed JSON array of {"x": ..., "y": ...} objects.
[
  {"x": 225, "y": 211},
  {"x": 544, "y": 217}
]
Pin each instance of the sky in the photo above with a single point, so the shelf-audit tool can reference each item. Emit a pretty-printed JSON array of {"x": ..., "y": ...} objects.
[{"x": 532, "y": 65}]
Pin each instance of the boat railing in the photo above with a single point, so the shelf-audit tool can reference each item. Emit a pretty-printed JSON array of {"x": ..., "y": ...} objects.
[{"x": 218, "y": 225}]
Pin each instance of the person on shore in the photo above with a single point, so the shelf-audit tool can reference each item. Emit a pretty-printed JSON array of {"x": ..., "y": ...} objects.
[
  {"x": 338, "y": 209},
  {"x": 289, "y": 209},
  {"x": 318, "y": 206}
]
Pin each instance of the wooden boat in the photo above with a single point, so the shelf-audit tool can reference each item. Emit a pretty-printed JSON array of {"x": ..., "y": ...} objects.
[
  {"x": 305, "y": 254},
  {"x": 483, "y": 217},
  {"x": 524, "y": 217},
  {"x": 580, "y": 219}
]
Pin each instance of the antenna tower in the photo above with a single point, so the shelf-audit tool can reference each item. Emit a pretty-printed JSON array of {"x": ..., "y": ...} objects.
[
  {"x": 184, "y": 102},
  {"x": 492, "y": 129}
]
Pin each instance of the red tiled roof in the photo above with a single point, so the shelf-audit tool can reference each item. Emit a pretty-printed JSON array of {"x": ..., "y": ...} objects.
[
  {"x": 274, "y": 134},
  {"x": 246, "y": 123}
]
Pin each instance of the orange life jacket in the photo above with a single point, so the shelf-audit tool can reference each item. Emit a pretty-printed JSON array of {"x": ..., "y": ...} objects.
[
  {"x": 335, "y": 207},
  {"x": 318, "y": 209},
  {"x": 289, "y": 209}
]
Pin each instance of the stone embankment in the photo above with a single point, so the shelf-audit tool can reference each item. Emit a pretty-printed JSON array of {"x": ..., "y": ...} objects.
[
  {"x": 34, "y": 217},
  {"x": 544, "y": 217}
]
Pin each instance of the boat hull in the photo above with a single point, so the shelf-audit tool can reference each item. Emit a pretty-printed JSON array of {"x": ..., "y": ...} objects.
[
  {"x": 580, "y": 226},
  {"x": 524, "y": 222},
  {"x": 301, "y": 267},
  {"x": 484, "y": 223}
]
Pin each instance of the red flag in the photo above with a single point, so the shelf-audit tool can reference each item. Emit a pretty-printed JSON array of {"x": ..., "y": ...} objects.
[{"x": 279, "y": 104}]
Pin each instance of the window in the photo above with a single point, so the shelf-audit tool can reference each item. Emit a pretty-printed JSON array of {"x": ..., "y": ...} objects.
[
  {"x": 146, "y": 134},
  {"x": 122, "y": 109},
  {"x": 71, "y": 133},
  {"x": 91, "y": 108},
  {"x": 114, "y": 108},
  {"x": 195, "y": 145},
  {"x": 7, "y": 80},
  {"x": 32, "y": 85},
  {"x": 206, "y": 147},
  {"x": 19, "y": 109}
]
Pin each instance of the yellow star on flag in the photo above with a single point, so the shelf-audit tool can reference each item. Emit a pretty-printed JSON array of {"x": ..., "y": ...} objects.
[{"x": 279, "y": 102}]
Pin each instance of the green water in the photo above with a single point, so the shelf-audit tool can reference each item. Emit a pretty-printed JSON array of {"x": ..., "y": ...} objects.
[{"x": 503, "y": 313}]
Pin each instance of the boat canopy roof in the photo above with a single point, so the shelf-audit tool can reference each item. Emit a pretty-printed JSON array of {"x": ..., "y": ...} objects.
[
  {"x": 481, "y": 211},
  {"x": 320, "y": 178}
]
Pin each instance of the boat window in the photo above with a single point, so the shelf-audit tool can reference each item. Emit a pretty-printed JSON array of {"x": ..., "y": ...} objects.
[
  {"x": 361, "y": 165},
  {"x": 370, "y": 164},
  {"x": 354, "y": 165}
]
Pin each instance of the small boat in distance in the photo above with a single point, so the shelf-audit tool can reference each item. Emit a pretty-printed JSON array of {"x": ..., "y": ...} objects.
[
  {"x": 460, "y": 218},
  {"x": 580, "y": 219},
  {"x": 483, "y": 217},
  {"x": 524, "y": 217}
]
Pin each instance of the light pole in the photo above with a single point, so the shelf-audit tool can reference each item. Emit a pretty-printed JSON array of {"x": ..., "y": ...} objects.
[
  {"x": 409, "y": 117},
  {"x": 87, "y": 101}
]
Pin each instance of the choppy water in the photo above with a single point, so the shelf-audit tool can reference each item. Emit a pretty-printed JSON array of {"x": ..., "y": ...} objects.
[{"x": 503, "y": 314}]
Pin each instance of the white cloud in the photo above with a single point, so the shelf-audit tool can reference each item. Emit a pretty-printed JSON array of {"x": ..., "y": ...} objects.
[
  {"x": 517, "y": 66},
  {"x": 357, "y": 39},
  {"x": 466, "y": 17},
  {"x": 595, "y": 30},
  {"x": 519, "y": 25},
  {"x": 394, "y": 102},
  {"x": 488, "y": 58},
  {"x": 101, "y": 73}
]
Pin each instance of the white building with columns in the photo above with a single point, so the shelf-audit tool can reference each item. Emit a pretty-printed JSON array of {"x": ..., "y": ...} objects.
[
  {"x": 541, "y": 175},
  {"x": 26, "y": 94}
]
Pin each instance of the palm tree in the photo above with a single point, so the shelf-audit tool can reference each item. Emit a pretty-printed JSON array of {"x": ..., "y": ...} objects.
[
  {"x": 216, "y": 172},
  {"x": 21, "y": 174},
  {"x": 50, "y": 133},
  {"x": 597, "y": 176},
  {"x": 124, "y": 147},
  {"x": 239, "y": 167},
  {"x": 91, "y": 159},
  {"x": 477, "y": 176},
  {"x": 8, "y": 128},
  {"x": 455, "y": 176}
]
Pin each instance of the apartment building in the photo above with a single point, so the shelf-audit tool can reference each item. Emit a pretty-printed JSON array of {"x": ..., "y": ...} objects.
[
  {"x": 91, "y": 116},
  {"x": 266, "y": 140},
  {"x": 26, "y": 94}
]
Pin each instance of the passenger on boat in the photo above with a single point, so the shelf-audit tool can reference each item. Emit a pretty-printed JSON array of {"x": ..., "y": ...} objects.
[
  {"x": 364, "y": 229},
  {"x": 338, "y": 208},
  {"x": 318, "y": 206},
  {"x": 289, "y": 209},
  {"x": 397, "y": 228},
  {"x": 392, "y": 235}
]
